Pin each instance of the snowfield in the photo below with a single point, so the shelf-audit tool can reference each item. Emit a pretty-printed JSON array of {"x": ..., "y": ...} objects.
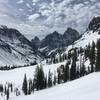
[
  {"x": 85, "y": 88},
  {"x": 16, "y": 76}
]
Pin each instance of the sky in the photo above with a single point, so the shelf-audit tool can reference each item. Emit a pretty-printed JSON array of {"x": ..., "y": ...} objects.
[{"x": 42, "y": 17}]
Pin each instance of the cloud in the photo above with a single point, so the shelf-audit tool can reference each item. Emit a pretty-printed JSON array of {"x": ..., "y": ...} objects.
[
  {"x": 43, "y": 16},
  {"x": 33, "y": 17}
]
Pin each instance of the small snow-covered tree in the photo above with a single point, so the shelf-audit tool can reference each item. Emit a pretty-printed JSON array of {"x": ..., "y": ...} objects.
[{"x": 24, "y": 86}]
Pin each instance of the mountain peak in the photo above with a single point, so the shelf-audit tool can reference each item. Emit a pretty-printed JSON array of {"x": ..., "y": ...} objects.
[
  {"x": 55, "y": 33},
  {"x": 94, "y": 25},
  {"x": 36, "y": 38},
  {"x": 71, "y": 31},
  {"x": 36, "y": 42}
]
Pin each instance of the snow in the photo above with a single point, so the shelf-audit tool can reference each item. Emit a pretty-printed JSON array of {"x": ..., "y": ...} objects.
[
  {"x": 10, "y": 75},
  {"x": 87, "y": 38},
  {"x": 86, "y": 88}
]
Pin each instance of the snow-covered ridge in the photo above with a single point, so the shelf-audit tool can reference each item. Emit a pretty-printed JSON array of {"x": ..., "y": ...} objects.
[{"x": 87, "y": 38}]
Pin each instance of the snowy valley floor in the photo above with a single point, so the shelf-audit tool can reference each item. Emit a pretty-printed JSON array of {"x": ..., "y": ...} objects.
[{"x": 85, "y": 88}]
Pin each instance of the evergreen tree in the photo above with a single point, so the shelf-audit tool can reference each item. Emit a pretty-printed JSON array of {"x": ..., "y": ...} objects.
[
  {"x": 30, "y": 87},
  {"x": 54, "y": 59},
  {"x": 73, "y": 66},
  {"x": 54, "y": 81},
  {"x": 24, "y": 86},
  {"x": 59, "y": 75},
  {"x": 45, "y": 82},
  {"x": 49, "y": 79},
  {"x": 98, "y": 56},
  {"x": 1, "y": 88},
  {"x": 60, "y": 58},
  {"x": 66, "y": 72},
  {"x": 82, "y": 69},
  {"x": 7, "y": 93},
  {"x": 78, "y": 73},
  {"x": 87, "y": 51},
  {"x": 39, "y": 78},
  {"x": 92, "y": 57}
]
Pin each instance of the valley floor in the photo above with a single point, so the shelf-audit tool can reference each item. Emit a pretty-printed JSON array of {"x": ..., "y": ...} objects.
[{"x": 85, "y": 88}]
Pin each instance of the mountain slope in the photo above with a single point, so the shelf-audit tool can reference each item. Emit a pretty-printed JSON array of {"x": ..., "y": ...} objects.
[
  {"x": 15, "y": 49},
  {"x": 92, "y": 33},
  {"x": 86, "y": 88},
  {"x": 56, "y": 40}
]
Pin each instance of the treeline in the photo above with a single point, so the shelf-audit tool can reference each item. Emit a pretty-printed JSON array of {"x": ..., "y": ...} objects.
[
  {"x": 9, "y": 67},
  {"x": 80, "y": 55},
  {"x": 74, "y": 68}
]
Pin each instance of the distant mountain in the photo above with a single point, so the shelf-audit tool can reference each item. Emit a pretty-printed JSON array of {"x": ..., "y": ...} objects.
[
  {"x": 36, "y": 42},
  {"x": 15, "y": 48},
  {"x": 56, "y": 40},
  {"x": 52, "y": 41}
]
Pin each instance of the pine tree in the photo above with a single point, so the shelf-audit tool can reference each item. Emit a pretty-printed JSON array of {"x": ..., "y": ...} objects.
[
  {"x": 82, "y": 69},
  {"x": 30, "y": 87},
  {"x": 1, "y": 88},
  {"x": 54, "y": 81},
  {"x": 59, "y": 75},
  {"x": 39, "y": 78},
  {"x": 98, "y": 56},
  {"x": 92, "y": 57},
  {"x": 24, "y": 86},
  {"x": 73, "y": 66},
  {"x": 49, "y": 79},
  {"x": 66, "y": 72},
  {"x": 7, "y": 93},
  {"x": 54, "y": 59},
  {"x": 45, "y": 82}
]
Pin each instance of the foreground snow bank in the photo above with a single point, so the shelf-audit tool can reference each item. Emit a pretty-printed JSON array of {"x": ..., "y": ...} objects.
[{"x": 86, "y": 88}]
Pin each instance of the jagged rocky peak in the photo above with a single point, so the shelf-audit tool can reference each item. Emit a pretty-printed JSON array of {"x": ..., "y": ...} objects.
[
  {"x": 36, "y": 39},
  {"x": 94, "y": 25},
  {"x": 55, "y": 33},
  {"x": 36, "y": 42},
  {"x": 52, "y": 40},
  {"x": 57, "y": 40},
  {"x": 71, "y": 32}
]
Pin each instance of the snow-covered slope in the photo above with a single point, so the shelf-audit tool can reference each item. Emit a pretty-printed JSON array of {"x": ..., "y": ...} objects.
[
  {"x": 86, "y": 88},
  {"x": 92, "y": 34},
  {"x": 86, "y": 39}
]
